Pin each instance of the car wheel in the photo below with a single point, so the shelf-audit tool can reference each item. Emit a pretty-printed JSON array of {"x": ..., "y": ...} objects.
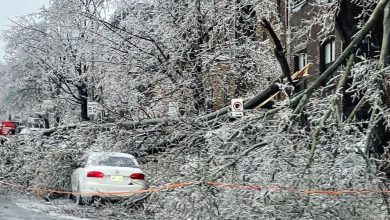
[
  {"x": 78, "y": 198},
  {"x": 70, "y": 196}
]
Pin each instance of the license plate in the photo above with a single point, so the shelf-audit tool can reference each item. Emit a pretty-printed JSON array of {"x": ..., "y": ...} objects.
[{"x": 116, "y": 178}]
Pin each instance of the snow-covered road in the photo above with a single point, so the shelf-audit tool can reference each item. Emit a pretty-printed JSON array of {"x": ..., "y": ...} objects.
[
  {"x": 12, "y": 211},
  {"x": 12, "y": 207}
]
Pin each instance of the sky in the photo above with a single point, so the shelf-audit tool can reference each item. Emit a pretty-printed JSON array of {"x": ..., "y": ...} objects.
[{"x": 9, "y": 9}]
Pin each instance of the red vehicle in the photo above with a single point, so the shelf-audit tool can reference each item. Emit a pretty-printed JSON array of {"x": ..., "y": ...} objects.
[{"x": 7, "y": 128}]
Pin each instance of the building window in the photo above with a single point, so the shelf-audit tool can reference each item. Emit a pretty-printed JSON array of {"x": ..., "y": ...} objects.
[
  {"x": 300, "y": 60},
  {"x": 328, "y": 54}
]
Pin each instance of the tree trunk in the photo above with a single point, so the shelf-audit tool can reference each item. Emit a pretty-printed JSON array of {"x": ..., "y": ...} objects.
[
  {"x": 384, "y": 57},
  {"x": 385, "y": 52},
  {"x": 82, "y": 90},
  {"x": 46, "y": 120},
  {"x": 83, "y": 99},
  {"x": 379, "y": 134},
  {"x": 196, "y": 61},
  {"x": 279, "y": 51}
]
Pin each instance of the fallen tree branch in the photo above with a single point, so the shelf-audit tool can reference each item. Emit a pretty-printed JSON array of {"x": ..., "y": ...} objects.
[
  {"x": 66, "y": 127},
  {"x": 384, "y": 56},
  {"x": 270, "y": 90},
  {"x": 378, "y": 130},
  {"x": 384, "y": 59},
  {"x": 370, "y": 137},
  {"x": 147, "y": 122},
  {"x": 217, "y": 174},
  {"x": 124, "y": 125},
  {"x": 356, "y": 109},
  {"x": 279, "y": 51},
  {"x": 164, "y": 146},
  {"x": 327, "y": 114},
  {"x": 258, "y": 100}
]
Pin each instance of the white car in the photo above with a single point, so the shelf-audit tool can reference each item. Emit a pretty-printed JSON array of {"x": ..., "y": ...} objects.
[
  {"x": 106, "y": 175},
  {"x": 27, "y": 130}
]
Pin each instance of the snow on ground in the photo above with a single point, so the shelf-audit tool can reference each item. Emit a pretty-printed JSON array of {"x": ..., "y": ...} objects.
[
  {"x": 186, "y": 153},
  {"x": 52, "y": 209},
  {"x": 20, "y": 205}
]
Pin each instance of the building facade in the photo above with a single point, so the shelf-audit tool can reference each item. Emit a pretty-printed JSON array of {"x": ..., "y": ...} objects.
[
  {"x": 308, "y": 42},
  {"x": 318, "y": 34}
]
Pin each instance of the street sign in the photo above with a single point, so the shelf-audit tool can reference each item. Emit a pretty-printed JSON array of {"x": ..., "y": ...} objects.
[
  {"x": 47, "y": 104},
  {"x": 237, "y": 106},
  {"x": 172, "y": 109},
  {"x": 93, "y": 108}
]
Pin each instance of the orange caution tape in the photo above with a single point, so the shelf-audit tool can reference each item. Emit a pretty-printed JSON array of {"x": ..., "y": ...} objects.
[
  {"x": 293, "y": 190},
  {"x": 154, "y": 189},
  {"x": 151, "y": 189}
]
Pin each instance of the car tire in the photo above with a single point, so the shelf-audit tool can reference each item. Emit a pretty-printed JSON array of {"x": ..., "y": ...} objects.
[{"x": 70, "y": 196}]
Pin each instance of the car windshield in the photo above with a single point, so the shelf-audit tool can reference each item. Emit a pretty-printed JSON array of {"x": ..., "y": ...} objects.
[{"x": 113, "y": 161}]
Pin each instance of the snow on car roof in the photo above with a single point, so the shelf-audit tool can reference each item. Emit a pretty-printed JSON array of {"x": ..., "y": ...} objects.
[{"x": 117, "y": 154}]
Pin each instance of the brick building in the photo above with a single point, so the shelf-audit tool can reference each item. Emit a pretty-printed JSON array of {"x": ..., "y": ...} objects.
[
  {"x": 308, "y": 47},
  {"x": 309, "y": 44},
  {"x": 316, "y": 47}
]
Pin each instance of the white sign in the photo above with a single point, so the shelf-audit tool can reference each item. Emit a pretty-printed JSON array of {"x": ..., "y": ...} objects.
[
  {"x": 93, "y": 108},
  {"x": 47, "y": 104},
  {"x": 237, "y": 107},
  {"x": 172, "y": 109}
]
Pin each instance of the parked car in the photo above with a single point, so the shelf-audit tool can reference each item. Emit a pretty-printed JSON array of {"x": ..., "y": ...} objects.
[
  {"x": 27, "y": 130},
  {"x": 103, "y": 173},
  {"x": 8, "y": 127}
]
